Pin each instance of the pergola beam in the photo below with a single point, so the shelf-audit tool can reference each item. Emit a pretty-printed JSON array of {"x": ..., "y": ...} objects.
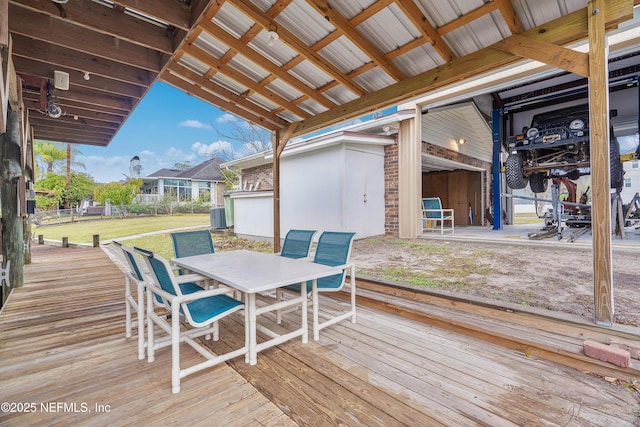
[{"x": 562, "y": 31}]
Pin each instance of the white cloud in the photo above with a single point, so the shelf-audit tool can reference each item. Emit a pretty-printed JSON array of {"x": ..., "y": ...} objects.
[
  {"x": 223, "y": 149},
  {"x": 227, "y": 118},
  {"x": 195, "y": 124}
]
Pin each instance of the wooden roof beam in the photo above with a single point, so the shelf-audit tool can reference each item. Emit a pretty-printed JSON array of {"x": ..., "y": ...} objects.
[
  {"x": 40, "y": 27},
  {"x": 509, "y": 16},
  {"x": 296, "y": 44},
  {"x": 56, "y": 55},
  {"x": 107, "y": 21},
  {"x": 562, "y": 31},
  {"x": 421, "y": 22},
  {"x": 547, "y": 53},
  {"x": 170, "y": 12},
  {"x": 212, "y": 62},
  {"x": 96, "y": 82},
  {"x": 467, "y": 18},
  {"x": 246, "y": 51},
  {"x": 349, "y": 31}
]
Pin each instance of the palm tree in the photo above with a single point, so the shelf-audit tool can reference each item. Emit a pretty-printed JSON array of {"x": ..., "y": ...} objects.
[{"x": 50, "y": 153}]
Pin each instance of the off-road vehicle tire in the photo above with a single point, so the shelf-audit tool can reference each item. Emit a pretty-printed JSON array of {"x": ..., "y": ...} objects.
[
  {"x": 617, "y": 171},
  {"x": 515, "y": 171},
  {"x": 538, "y": 182}
]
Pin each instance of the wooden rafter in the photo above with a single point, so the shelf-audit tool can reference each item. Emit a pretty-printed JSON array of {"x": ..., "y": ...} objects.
[
  {"x": 349, "y": 31},
  {"x": 170, "y": 12},
  {"x": 94, "y": 17},
  {"x": 548, "y": 53},
  {"x": 297, "y": 45},
  {"x": 277, "y": 71},
  {"x": 213, "y": 63},
  {"x": 426, "y": 29},
  {"x": 567, "y": 29},
  {"x": 509, "y": 16}
]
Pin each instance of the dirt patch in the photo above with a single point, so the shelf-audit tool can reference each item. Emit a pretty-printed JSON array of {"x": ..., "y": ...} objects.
[{"x": 554, "y": 279}]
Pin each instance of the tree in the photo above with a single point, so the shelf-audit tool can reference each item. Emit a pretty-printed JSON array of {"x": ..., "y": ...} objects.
[
  {"x": 50, "y": 154},
  {"x": 183, "y": 166},
  {"x": 81, "y": 187},
  {"x": 118, "y": 193},
  {"x": 253, "y": 138}
]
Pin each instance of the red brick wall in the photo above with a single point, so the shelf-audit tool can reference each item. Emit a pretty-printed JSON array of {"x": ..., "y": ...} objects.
[
  {"x": 263, "y": 173},
  {"x": 391, "y": 190}
]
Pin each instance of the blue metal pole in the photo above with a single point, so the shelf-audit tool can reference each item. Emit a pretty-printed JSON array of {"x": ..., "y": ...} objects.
[{"x": 496, "y": 124}]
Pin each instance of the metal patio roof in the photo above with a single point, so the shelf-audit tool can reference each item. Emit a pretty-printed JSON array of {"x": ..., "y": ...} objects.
[{"x": 310, "y": 63}]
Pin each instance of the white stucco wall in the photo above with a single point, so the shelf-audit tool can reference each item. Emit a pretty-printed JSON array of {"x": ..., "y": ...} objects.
[{"x": 336, "y": 188}]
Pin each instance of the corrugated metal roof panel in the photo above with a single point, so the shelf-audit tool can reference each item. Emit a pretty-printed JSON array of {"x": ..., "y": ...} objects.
[
  {"x": 351, "y": 8},
  {"x": 279, "y": 53},
  {"x": 283, "y": 89},
  {"x": 303, "y": 21},
  {"x": 229, "y": 84},
  {"x": 263, "y": 102},
  {"x": 234, "y": 21},
  {"x": 338, "y": 95},
  {"x": 210, "y": 45},
  {"x": 386, "y": 31},
  {"x": 344, "y": 54},
  {"x": 193, "y": 64},
  {"x": 537, "y": 12},
  {"x": 418, "y": 60},
  {"x": 248, "y": 68},
  {"x": 374, "y": 79},
  {"x": 310, "y": 74},
  {"x": 312, "y": 106}
]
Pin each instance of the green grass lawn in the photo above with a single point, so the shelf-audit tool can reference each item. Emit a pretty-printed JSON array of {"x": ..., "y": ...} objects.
[
  {"x": 83, "y": 231},
  {"x": 121, "y": 229}
]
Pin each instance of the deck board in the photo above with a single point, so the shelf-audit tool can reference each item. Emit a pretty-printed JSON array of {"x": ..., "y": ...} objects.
[{"x": 62, "y": 340}]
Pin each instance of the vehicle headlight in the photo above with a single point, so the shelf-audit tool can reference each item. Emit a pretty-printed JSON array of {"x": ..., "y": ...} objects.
[
  {"x": 577, "y": 124},
  {"x": 532, "y": 132}
]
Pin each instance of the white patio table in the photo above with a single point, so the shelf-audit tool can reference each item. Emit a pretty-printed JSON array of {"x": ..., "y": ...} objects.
[{"x": 252, "y": 272}]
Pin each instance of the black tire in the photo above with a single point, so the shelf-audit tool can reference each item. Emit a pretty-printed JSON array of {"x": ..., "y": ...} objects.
[
  {"x": 538, "y": 182},
  {"x": 617, "y": 171},
  {"x": 515, "y": 171}
]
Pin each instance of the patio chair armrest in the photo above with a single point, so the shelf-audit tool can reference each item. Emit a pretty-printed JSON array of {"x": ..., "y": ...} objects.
[
  {"x": 191, "y": 277},
  {"x": 221, "y": 290}
]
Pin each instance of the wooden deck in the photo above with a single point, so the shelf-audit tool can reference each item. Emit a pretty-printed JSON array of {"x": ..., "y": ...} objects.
[{"x": 63, "y": 349}]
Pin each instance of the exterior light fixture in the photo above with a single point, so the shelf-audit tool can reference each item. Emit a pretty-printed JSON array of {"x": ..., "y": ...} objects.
[
  {"x": 461, "y": 141},
  {"x": 87, "y": 76},
  {"x": 273, "y": 36}
]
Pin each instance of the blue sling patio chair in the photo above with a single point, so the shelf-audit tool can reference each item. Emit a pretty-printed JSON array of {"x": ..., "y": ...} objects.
[
  {"x": 201, "y": 310},
  {"x": 297, "y": 243},
  {"x": 137, "y": 274},
  {"x": 333, "y": 249},
  {"x": 190, "y": 243}
]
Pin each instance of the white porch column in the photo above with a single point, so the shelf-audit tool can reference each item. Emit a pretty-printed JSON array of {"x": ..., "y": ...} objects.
[{"x": 409, "y": 178}]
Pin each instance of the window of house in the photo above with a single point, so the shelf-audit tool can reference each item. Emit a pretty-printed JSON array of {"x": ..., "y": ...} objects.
[
  {"x": 627, "y": 182},
  {"x": 178, "y": 188},
  {"x": 634, "y": 164},
  {"x": 204, "y": 192}
]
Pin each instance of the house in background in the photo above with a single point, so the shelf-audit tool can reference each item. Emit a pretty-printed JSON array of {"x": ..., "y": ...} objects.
[{"x": 202, "y": 183}]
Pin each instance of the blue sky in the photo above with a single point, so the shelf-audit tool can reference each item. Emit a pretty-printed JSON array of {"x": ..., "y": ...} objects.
[{"x": 167, "y": 127}]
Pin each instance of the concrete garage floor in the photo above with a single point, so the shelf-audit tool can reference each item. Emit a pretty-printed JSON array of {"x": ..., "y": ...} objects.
[{"x": 518, "y": 234}]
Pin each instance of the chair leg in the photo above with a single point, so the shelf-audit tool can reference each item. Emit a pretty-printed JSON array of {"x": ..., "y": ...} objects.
[
  {"x": 150, "y": 341},
  {"x": 127, "y": 307},
  {"x": 141, "y": 319},
  {"x": 175, "y": 349}
]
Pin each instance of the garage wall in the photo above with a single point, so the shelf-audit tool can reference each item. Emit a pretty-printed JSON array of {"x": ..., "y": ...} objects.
[{"x": 457, "y": 190}]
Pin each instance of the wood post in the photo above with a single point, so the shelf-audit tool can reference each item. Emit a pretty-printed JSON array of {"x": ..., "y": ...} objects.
[
  {"x": 40, "y": 239},
  {"x": 96, "y": 240},
  {"x": 12, "y": 231},
  {"x": 409, "y": 178},
  {"x": 600, "y": 167},
  {"x": 65, "y": 242}
]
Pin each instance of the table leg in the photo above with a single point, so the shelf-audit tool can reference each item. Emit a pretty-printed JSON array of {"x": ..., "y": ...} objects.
[
  {"x": 305, "y": 326},
  {"x": 250, "y": 329},
  {"x": 314, "y": 302}
]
